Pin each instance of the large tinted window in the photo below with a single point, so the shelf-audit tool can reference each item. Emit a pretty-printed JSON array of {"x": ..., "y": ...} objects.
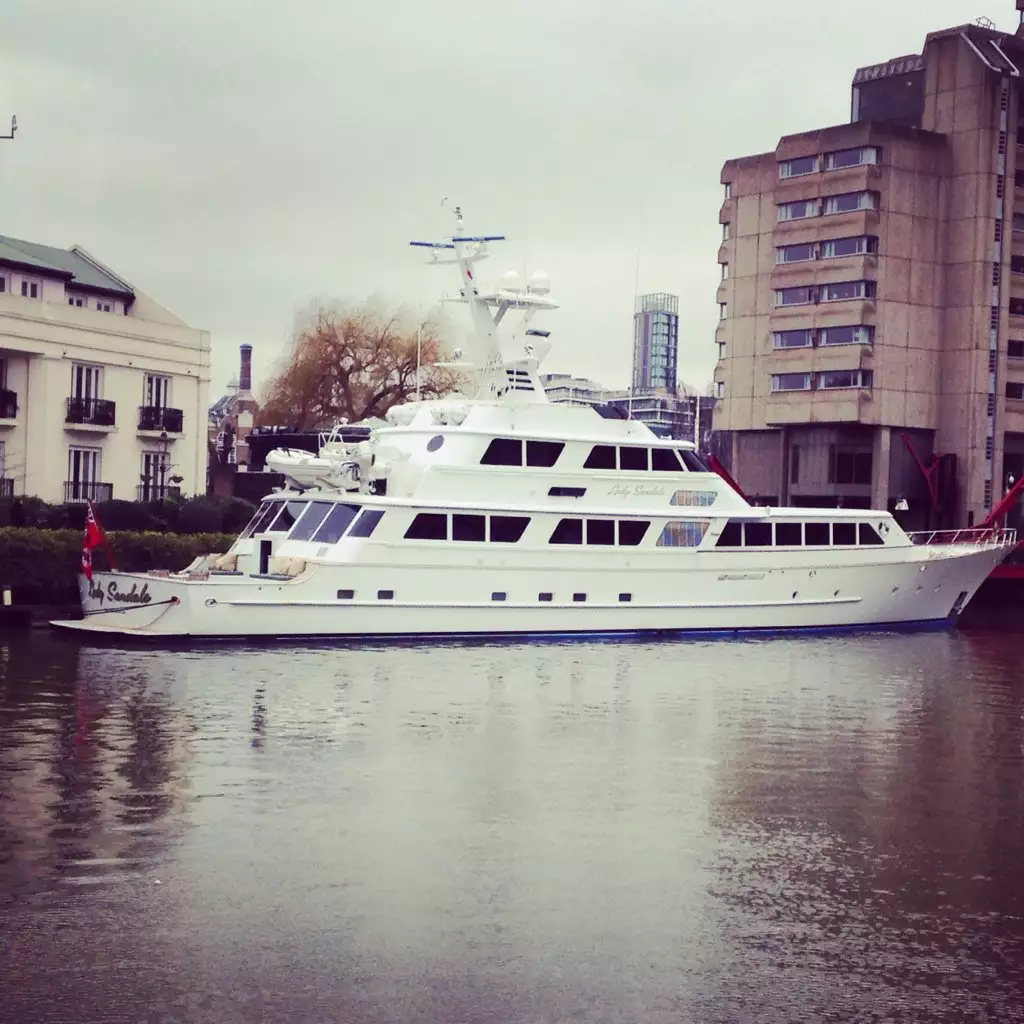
[
  {"x": 664, "y": 460},
  {"x": 366, "y": 523},
  {"x": 267, "y": 513},
  {"x": 469, "y": 528},
  {"x": 508, "y": 529},
  {"x": 285, "y": 519},
  {"x": 251, "y": 525},
  {"x": 314, "y": 515},
  {"x": 333, "y": 526},
  {"x": 428, "y": 526},
  {"x": 844, "y": 533},
  {"x": 602, "y": 456},
  {"x": 543, "y": 453},
  {"x": 868, "y": 534},
  {"x": 503, "y": 451},
  {"x": 633, "y": 458},
  {"x": 568, "y": 531},
  {"x": 601, "y": 531},
  {"x": 632, "y": 531}
]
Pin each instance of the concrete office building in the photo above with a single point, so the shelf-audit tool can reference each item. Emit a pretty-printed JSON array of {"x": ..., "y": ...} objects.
[{"x": 871, "y": 336}]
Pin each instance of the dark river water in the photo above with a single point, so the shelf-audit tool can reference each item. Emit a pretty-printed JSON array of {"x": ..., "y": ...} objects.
[{"x": 776, "y": 830}]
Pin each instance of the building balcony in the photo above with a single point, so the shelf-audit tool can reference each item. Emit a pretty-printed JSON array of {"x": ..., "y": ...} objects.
[
  {"x": 77, "y": 491},
  {"x": 8, "y": 407},
  {"x": 155, "y": 419},
  {"x": 157, "y": 492},
  {"x": 6, "y": 487},
  {"x": 93, "y": 414}
]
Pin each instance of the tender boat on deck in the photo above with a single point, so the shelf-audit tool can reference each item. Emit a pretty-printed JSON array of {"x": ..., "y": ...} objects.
[{"x": 503, "y": 514}]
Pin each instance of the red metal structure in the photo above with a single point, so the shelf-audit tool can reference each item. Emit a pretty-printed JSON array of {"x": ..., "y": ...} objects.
[{"x": 715, "y": 465}]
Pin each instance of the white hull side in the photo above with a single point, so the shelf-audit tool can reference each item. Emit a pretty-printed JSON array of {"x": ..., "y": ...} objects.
[{"x": 930, "y": 586}]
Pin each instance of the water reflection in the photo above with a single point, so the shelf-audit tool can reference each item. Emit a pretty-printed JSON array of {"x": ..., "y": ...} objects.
[{"x": 807, "y": 829}]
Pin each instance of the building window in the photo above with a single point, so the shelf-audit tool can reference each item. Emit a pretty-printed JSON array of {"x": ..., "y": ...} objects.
[
  {"x": 1016, "y": 307},
  {"x": 791, "y": 382},
  {"x": 83, "y": 474},
  {"x": 794, "y": 464},
  {"x": 848, "y": 467},
  {"x": 792, "y": 339},
  {"x": 719, "y": 388},
  {"x": 852, "y": 157},
  {"x": 851, "y": 335},
  {"x": 728, "y": 189},
  {"x": 834, "y": 248},
  {"x": 799, "y": 210},
  {"x": 85, "y": 382},
  {"x": 30, "y": 289},
  {"x": 834, "y": 379},
  {"x": 156, "y": 391},
  {"x": 723, "y": 310},
  {"x": 796, "y": 253},
  {"x": 848, "y": 202},
  {"x": 1015, "y": 349},
  {"x": 842, "y": 290},
  {"x": 725, "y": 231},
  {"x": 798, "y": 166},
  {"x": 103, "y": 307},
  {"x": 725, "y": 271},
  {"x": 75, "y": 300},
  {"x": 683, "y": 534},
  {"x": 1015, "y": 389},
  {"x": 794, "y": 296},
  {"x": 3, "y": 283}
]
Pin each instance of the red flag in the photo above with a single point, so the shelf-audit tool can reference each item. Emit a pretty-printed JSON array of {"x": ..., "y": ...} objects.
[{"x": 90, "y": 540}]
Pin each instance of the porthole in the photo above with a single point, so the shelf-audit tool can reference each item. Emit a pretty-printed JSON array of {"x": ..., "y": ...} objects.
[
  {"x": 210, "y": 602},
  {"x": 435, "y": 442}
]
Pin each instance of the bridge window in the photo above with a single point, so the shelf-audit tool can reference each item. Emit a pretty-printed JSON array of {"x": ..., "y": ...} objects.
[
  {"x": 331, "y": 529},
  {"x": 568, "y": 531},
  {"x": 508, "y": 529},
  {"x": 267, "y": 511},
  {"x": 844, "y": 533},
  {"x": 789, "y": 535},
  {"x": 602, "y": 456},
  {"x": 366, "y": 523},
  {"x": 632, "y": 531},
  {"x": 543, "y": 453},
  {"x": 692, "y": 461},
  {"x": 732, "y": 535},
  {"x": 287, "y": 516},
  {"x": 634, "y": 458},
  {"x": 817, "y": 534},
  {"x": 469, "y": 528},
  {"x": 503, "y": 451},
  {"x": 428, "y": 526},
  {"x": 867, "y": 534},
  {"x": 316, "y": 512},
  {"x": 665, "y": 460},
  {"x": 757, "y": 535}
]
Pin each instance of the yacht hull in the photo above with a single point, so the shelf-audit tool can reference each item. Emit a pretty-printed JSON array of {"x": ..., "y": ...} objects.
[{"x": 928, "y": 586}]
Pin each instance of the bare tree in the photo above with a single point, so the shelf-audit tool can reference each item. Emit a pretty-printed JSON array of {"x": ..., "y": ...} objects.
[{"x": 354, "y": 364}]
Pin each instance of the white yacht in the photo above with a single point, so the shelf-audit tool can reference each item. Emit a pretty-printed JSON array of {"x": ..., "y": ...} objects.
[{"x": 499, "y": 513}]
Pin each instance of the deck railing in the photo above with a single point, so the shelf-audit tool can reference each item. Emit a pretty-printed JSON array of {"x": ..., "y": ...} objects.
[{"x": 979, "y": 536}]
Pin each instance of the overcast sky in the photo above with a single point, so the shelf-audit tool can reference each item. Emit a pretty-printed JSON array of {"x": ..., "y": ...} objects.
[{"x": 240, "y": 159}]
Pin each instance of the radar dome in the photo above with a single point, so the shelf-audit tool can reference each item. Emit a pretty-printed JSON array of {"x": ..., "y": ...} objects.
[
  {"x": 540, "y": 283},
  {"x": 511, "y": 282}
]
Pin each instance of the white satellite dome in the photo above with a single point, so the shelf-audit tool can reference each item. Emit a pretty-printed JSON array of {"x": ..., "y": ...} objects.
[
  {"x": 511, "y": 282},
  {"x": 540, "y": 283}
]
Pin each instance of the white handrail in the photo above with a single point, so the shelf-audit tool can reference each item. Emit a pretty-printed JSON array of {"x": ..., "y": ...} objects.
[{"x": 980, "y": 536}]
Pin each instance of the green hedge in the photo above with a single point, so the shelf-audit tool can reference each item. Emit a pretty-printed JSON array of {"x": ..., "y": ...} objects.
[
  {"x": 41, "y": 566},
  {"x": 205, "y": 514}
]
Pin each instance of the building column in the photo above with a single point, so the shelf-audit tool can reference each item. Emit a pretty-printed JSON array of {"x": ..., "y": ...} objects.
[
  {"x": 45, "y": 445},
  {"x": 881, "y": 450}
]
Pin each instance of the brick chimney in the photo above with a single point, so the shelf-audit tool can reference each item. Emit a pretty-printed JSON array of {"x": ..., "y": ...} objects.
[{"x": 245, "y": 374}]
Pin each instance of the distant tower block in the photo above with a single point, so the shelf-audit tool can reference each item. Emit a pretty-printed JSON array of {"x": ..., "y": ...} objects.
[{"x": 655, "y": 341}]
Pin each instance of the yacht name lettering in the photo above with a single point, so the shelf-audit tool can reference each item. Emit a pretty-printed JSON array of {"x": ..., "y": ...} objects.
[
  {"x": 133, "y": 596},
  {"x": 636, "y": 491}
]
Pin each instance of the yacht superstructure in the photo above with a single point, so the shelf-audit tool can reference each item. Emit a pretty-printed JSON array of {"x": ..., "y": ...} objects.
[{"x": 497, "y": 512}]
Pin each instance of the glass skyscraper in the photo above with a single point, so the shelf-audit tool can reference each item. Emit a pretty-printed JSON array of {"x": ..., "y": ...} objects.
[{"x": 655, "y": 341}]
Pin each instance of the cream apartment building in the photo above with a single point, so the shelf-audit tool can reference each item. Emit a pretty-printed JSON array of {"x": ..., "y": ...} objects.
[
  {"x": 871, "y": 336},
  {"x": 103, "y": 392}
]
